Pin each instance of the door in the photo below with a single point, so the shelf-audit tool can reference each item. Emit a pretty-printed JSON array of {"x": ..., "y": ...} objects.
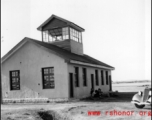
[
  {"x": 71, "y": 85},
  {"x": 110, "y": 83},
  {"x": 92, "y": 81}
]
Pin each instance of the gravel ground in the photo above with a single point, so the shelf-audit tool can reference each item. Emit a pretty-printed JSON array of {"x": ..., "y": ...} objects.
[
  {"x": 75, "y": 111},
  {"x": 107, "y": 108}
]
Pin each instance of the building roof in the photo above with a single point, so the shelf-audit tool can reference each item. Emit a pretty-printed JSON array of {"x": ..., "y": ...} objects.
[
  {"x": 60, "y": 51},
  {"x": 61, "y": 19}
]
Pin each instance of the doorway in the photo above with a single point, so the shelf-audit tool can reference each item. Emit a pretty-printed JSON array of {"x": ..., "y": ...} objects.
[
  {"x": 110, "y": 83},
  {"x": 71, "y": 90}
]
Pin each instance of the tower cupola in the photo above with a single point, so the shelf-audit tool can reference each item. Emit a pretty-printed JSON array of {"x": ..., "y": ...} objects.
[{"x": 62, "y": 33}]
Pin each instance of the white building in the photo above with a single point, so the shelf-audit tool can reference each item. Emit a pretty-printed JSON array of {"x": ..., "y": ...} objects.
[{"x": 55, "y": 67}]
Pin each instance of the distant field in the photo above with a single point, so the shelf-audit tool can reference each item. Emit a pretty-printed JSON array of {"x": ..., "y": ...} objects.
[
  {"x": 132, "y": 81},
  {"x": 130, "y": 87}
]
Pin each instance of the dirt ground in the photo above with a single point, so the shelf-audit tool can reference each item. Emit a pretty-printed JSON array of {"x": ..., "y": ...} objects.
[{"x": 108, "y": 108}]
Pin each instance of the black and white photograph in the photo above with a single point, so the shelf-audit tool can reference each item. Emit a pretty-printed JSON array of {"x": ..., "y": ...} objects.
[{"x": 75, "y": 60}]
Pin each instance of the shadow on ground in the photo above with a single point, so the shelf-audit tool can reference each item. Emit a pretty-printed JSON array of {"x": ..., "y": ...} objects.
[
  {"x": 121, "y": 97},
  {"x": 45, "y": 115}
]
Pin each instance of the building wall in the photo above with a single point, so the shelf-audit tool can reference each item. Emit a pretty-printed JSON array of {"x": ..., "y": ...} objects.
[
  {"x": 71, "y": 45},
  {"x": 84, "y": 91},
  {"x": 30, "y": 59},
  {"x": 65, "y": 44},
  {"x": 76, "y": 47}
]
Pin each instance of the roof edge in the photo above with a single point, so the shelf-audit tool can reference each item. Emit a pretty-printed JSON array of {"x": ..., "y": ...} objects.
[
  {"x": 91, "y": 65},
  {"x": 14, "y": 49},
  {"x": 99, "y": 61},
  {"x": 52, "y": 51},
  {"x": 21, "y": 43}
]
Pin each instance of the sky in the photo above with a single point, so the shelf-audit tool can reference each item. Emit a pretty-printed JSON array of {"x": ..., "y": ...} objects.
[{"x": 117, "y": 32}]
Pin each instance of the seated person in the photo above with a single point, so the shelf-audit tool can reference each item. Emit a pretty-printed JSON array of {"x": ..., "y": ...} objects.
[
  {"x": 100, "y": 92},
  {"x": 96, "y": 93}
]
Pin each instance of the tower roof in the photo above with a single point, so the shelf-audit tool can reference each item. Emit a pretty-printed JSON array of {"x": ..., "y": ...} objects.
[{"x": 68, "y": 23}]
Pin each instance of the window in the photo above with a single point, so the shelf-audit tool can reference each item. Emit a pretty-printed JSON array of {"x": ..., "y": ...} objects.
[
  {"x": 65, "y": 33},
  {"x": 76, "y": 76},
  {"x": 84, "y": 75},
  {"x": 57, "y": 34},
  {"x": 107, "y": 78},
  {"x": 15, "y": 80},
  {"x": 102, "y": 78},
  {"x": 96, "y": 75},
  {"x": 48, "y": 77},
  {"x": 75, "y": 35},
  {"x": 45, "y": 36}
]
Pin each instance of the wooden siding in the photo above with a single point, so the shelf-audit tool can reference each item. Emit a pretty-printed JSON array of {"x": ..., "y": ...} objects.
[{"x": 54, "y": 23}]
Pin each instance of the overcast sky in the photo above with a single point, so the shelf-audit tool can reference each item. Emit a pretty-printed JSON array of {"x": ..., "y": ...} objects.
[{"x": 117, "y": 32}]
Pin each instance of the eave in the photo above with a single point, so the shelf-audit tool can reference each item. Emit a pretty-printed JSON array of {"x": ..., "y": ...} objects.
[{"x": 90, "y": 65}]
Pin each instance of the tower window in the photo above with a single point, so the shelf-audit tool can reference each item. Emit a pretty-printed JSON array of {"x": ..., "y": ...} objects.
[
  {"x": 57, "y": 34},
  {"x": 65, "y": 33},
  {"x": 75, "y": 35}
]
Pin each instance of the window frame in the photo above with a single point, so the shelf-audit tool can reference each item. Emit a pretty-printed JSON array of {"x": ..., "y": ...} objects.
[
  {"x": 97, "y": 77},
  {"x": 84, "y": 76},
  {"x": 11, "y": 79},
  {"x": 48, "y": 76},
  {"x": 107, "y": 78},
  {"x": 76, "y": 76},
  {"x": 75, "y": 35},
  {"x": 102, "y": 77},
  {"x": 56, "y": 34}
]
